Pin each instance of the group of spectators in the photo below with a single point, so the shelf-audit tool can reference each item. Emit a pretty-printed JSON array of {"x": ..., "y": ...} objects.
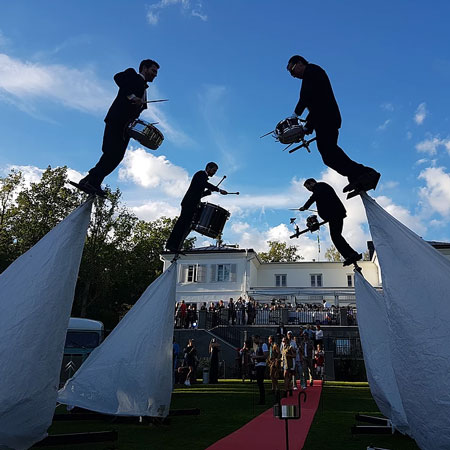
[
  {"x": 286, "y": 357},
  {"x": 185, "y": 368},
  {"x": 186, "y": 315},
  {"x": 250, "y": 312}
]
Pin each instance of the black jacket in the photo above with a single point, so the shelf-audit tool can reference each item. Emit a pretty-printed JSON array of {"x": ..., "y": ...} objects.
[
  {"x": 122, "y": 109},
  {"x": 329, "y": 206},
  {"x": 316, "y": 94},
  {"x": 197, "y": 189}
]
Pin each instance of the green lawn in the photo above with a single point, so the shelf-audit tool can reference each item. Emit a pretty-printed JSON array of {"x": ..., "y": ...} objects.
[{"x": 229, "y": 405}]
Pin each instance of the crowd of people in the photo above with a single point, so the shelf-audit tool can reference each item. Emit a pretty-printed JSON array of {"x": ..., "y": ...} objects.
[
  {"x": 287, "y": 357},
  {"x": 251, "y": 312}
]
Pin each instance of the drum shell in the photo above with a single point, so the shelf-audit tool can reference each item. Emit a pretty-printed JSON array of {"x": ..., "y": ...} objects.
[
  {"x": 145, "y": 133},
  {"x": 289, "y": 130},
  {"x": 210, "y": 220}
]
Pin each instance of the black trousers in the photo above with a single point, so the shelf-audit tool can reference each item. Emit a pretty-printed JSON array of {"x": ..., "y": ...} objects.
[
  {"x": 333, "y": 156},
  {"x": 339, "y": 242},
  {"x": 260, "y": 371},
  {"x": 113, "y": 148},
  {"x": 182, "y": 228}
]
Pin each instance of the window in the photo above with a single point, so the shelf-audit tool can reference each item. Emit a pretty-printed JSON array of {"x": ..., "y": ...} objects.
[
  {"x": 350, "y": 280},
  {"x": 280, "y": 280},
  {"x": 316, "y": 280},
  {"x": 223, "y": 273},
  {"x": 193, "y": 273}
]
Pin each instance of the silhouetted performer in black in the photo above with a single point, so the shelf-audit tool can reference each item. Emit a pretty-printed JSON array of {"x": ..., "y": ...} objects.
[
  {"x": 199, "y": 187},
  {"x": 317, "y": 96},
  {"x": 331, "y": 209},
  {"x": 127, "y": 106}
]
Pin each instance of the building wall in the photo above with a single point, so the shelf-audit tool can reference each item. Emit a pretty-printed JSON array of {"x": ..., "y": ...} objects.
[
  {"x": 299, "y": 274},
  {"x": 201, "y": 283},
  {"x": 206, "y": 288}
]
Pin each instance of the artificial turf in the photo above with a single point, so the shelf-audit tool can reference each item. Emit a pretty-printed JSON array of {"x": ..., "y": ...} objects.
[{"x": 230, "y": 404}]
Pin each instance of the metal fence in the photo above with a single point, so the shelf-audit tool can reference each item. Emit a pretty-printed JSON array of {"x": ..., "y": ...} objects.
[{"x": 332, "y": 316}]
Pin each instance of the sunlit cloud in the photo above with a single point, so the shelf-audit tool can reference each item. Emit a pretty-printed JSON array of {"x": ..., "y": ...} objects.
[
  {"x": 384, "y": 125},
  {"x": 153, "y": 172},
  {"x": 187, "y": 7},
  {"x": 436, "y": 193},
  {"x": 421, "y": 114},
  {"x": 25, "y": 83},
  {"x": 432, "y": 144},
  {"x": 389, "y": 185},
  {"x": 387, "y": 106}
]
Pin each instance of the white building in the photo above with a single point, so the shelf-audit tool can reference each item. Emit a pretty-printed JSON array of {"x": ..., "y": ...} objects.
[{"x": 212, "y": 273}]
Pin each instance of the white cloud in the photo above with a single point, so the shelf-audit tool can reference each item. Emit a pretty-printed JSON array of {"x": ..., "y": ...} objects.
[
  {"x": 384, "y": 125},
  {"x": 26, "y": 82},
  {"x": 389, "y": 185},
  {"x": 436, "y": 193},
  {"x": 154, "y": 210},
  {"x": 154, "y": 10},
  {"x": 432, "y": 144},
  {"x": 154, "y": 172},
  {"x": 387, "y": 106},
  {"x": 402, "y": 214},
  {"x": 421, "y": 114}
]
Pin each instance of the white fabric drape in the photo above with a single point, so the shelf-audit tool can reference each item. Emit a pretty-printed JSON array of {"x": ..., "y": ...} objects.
[
  {"x": 36, "y": 296},
  {"x": 416, "y": 285},
  {"x": 130, "y": 373},
  {"x": 375, "y": 341}
]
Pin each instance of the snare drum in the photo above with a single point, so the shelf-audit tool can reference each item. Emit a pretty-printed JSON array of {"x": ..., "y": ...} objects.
[
  {"x": 145, "y": 133},
  {"x": 289, "y": 130},
  {"x": 210, "y": 220}
]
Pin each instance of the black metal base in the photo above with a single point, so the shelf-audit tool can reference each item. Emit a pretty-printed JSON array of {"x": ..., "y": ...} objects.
[{"x": 78, "y": 438}]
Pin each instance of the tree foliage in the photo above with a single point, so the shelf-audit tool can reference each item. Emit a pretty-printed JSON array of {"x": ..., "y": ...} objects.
[
  {"x": 280, "y": 252},
  {"x": 333, "y": 255},
  {"x": 121, "y": 255}
]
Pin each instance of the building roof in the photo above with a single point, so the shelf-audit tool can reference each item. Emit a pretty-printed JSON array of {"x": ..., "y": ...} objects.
[
  {"x": 215, "y": 249},
  {"x": 437, "y": 244}
]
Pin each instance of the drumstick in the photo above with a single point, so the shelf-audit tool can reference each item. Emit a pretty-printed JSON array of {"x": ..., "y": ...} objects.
[
  {"x": 266, "y": 134},
  {"x": 223, "y": 178},
  {"x": 156, "y": 101},
  {"x": 235, "y": 193},
  {"x": 298, "y": 209}
]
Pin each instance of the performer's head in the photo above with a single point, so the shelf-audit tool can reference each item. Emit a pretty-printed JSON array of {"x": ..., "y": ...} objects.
[
  {"x": 211, "y": 168},
  {"x": 310, "y": 183},
  {"x": 296, "y": 66},
  {"x": 149, "y": 69}
]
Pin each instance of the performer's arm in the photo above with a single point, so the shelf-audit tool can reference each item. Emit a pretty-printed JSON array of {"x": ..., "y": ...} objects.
[{"x": 310, "y": 201}]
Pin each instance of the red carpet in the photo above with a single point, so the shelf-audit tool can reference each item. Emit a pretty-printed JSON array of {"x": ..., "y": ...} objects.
[{"x": 266, "y": 432}]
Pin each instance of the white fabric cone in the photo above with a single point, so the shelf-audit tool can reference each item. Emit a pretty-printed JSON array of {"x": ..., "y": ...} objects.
[
  {"x": 375, "y": 341},
  {"x": 416, "y": 285},
  {"x": 130, "y": 373},
  {"x": 36, "y": 296}
]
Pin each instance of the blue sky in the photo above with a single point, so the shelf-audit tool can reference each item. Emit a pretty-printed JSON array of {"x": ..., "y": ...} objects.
[{"x": 223, "y": 67}]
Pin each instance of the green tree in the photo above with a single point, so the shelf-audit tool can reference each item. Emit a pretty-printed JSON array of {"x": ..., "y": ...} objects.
[
  {"x": 9, "y": 186},
  {"x": 333, "y": 255},
  {"x": 280, "y": 252},
  {"x": 40, "y": 207},
  {"x": 121, "y": 255}
]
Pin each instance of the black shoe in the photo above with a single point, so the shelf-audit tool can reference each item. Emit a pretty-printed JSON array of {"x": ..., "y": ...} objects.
[
  {"x": 89, "y": 188},
  {"x": 352, "y": 259}
]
